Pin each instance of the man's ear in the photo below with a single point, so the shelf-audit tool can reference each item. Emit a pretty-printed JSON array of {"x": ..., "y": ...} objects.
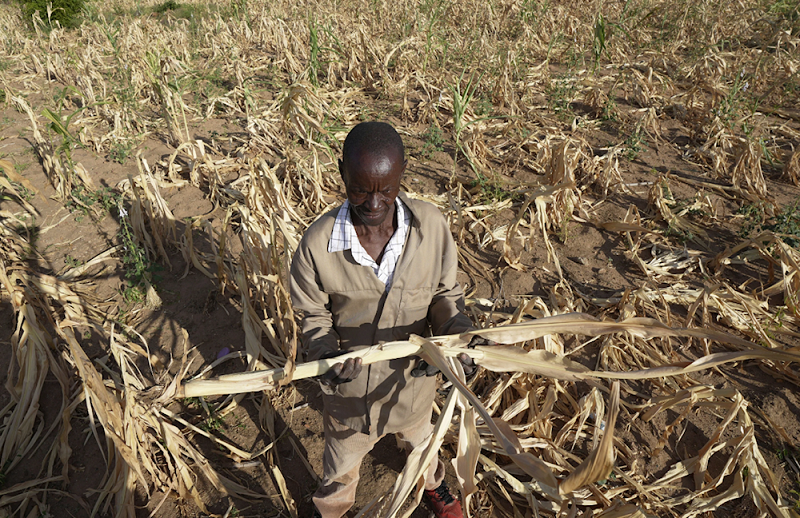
[{"x": 341, "y": 172}]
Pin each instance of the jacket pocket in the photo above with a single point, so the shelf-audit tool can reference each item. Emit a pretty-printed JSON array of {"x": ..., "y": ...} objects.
[
  {"x": 424, "y": 391},
  {"x": 415, "y": 303}
]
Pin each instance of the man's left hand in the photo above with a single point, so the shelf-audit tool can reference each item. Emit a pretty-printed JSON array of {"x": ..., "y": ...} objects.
[{"x": 423, "y": 368}]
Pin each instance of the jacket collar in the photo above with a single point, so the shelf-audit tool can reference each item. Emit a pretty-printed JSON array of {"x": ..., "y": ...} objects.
[
  {"x": 412, "y": 242},
  {"x": 409, "y": 205}
]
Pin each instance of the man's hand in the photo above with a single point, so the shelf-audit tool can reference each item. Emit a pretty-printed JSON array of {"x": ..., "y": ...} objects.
[
  {"x": 342, "y": 372},
  {"x": 423, "y": 368}
]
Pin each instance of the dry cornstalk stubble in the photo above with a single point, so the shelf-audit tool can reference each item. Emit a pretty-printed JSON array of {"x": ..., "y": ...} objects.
[
  {"x": 541, "y": 429},
  {"x": 507, "y": 358}
]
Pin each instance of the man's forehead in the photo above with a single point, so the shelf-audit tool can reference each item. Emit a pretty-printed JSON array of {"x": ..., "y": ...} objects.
[{"x": 386, "y": 158}]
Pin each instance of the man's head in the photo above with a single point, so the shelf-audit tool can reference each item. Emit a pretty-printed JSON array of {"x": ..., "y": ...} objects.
[{"x": 372, "y": 164}]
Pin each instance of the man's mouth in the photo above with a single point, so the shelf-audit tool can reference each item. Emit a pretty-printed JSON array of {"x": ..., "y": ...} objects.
[{"x": 371, "y": 216}]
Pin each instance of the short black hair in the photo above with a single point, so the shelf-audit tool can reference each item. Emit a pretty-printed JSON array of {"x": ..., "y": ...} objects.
[{"x": 373, "y": 137}]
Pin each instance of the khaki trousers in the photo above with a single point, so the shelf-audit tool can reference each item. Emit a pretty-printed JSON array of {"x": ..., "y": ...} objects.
[{"x": 344, "y": 450}]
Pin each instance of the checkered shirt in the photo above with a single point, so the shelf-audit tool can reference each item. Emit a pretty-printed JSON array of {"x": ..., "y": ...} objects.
[{"x": 344, "y": 237}]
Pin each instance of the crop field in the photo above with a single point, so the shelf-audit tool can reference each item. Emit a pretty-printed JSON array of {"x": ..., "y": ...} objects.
[{"x": 622, "y": 180}]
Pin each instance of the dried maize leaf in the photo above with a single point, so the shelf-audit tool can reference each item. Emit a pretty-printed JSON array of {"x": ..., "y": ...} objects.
[{"x": 600, "y": 461}]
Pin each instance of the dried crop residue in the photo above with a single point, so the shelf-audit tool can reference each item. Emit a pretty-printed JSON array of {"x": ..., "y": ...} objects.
[{"x": 159, "y": 164}]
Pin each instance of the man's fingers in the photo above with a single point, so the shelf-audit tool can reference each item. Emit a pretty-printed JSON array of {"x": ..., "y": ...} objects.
[
  {"x": 478, "y": 340},
  {"x": 419, "y": 370},
  {"x": 467, "y": 363},
  {"x": 350, "y": 370},
  {"x": 347, "y": 371},
  {"x": 423, "y": 368},
  {"x": 333, "y": 373},
  {"x": 357, "y": 368}
]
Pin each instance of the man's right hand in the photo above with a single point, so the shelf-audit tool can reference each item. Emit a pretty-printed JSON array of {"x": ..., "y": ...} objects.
[{"x": 342, "y": 372}]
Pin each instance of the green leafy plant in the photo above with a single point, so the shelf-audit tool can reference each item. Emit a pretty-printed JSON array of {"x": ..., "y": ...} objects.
[
  {"x": 83, "y": 200},
  {"x": 559, "y": 93},
  {"x": 785, "y": 222},
  {"x": 240, "y": 11},
  {"x": 732, "y": 105},
  {"x": 66, "y": 12},
  {"x": 434, "y": 141},
  {"x": 169, "y": 5},
  {"x": 490, "y": 189},
  {"x": 23, "y": 192},
  {"x": 72, "y": 262},
  {"x": 136, "y": 263},
  {"x": 59, "y": 124},
  {"x": 461, "y": 100},
  {"x": 313, "y": 53},
  {"x": 433, "y": 10},
  {"x": 633, "y": 144},
  {"x": 119, "y": 150},
  {"x": 599, "y": 41},
  {"x": 683, "y": 236}
]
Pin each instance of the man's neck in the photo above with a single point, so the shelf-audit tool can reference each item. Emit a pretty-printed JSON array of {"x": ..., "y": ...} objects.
[{"x": 370, "y": 233}]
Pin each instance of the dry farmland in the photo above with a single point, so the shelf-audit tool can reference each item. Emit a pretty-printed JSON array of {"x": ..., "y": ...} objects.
[{"x": 622, "y": 179}]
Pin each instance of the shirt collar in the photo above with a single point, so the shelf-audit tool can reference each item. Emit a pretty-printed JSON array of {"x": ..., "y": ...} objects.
[{"x": 344, "y": 232}]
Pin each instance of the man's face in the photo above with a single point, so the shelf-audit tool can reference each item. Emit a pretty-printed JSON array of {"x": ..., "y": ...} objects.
[{"x": 372, "y": 182}]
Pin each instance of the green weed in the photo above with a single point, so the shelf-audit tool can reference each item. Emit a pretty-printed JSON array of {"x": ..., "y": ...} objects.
[
  {"x": 24, "y": 193},
  {"x": 136, "y": 264},
  {"x": 560, "y": 93},
  {"x": 733, "y": 105},
  {"x": 633, "y": 144},
  {"x": 531, "y": 11},
  {"x": 754, "y": 216},
  {"x": 313, "y": 56},
  {"x": 83, "y": 200},
  {"x": 434, "y": 141},
  {"x": 239, "y": 10},
  {"x": 72, "y": 262},
  {"x": 433, "y": 10},
  {"x": 599, "y": 41},
  {"x": 683, "y": 236},
  {"x": 169, "y": 5},
  {"x": 461, "y": 100},
  {"x": 490, "y": 189},
  {"x": 66, "y": 12},
  {"x": 119, "y": 150},
  {"x": 785, "y": 223},
  {"x": 213, "y": 423}
]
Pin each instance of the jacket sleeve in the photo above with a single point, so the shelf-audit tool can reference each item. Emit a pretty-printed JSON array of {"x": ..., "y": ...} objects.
[
  {"x": 446, "y": 312},
  {"x": 308, "y": 297}
]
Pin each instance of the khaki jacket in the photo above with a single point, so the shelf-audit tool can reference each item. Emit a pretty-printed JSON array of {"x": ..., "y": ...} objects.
[{"x": 345, "y": 306}]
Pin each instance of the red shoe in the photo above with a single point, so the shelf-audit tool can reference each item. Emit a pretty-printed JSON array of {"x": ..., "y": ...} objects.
[{"x": 442, "y": 502}]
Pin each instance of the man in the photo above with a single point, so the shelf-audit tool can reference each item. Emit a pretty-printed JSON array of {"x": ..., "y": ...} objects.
[{"x": 376, "y": 269}]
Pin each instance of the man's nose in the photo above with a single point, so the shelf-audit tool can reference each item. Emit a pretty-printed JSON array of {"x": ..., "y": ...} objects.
[{"x": 373, "y": 201}]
